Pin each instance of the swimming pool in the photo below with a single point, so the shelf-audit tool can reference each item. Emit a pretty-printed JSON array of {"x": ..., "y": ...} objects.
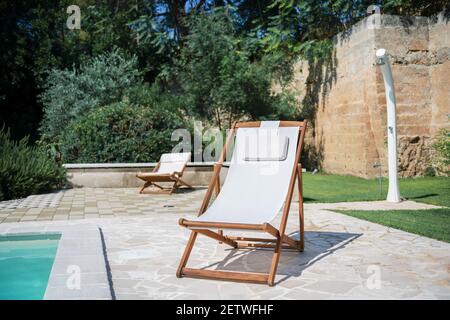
[{"x": 25, "y": 265}]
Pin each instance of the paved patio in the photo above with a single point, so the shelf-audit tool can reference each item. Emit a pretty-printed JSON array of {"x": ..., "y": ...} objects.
[
  {"x": 344, "y": 258},
  {"x": 89, "y": 203}
]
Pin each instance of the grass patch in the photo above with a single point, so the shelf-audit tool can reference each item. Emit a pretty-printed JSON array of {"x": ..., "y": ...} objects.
[
  {"x": 337, "y": 188},
  {"x": 432, "y": 223}
]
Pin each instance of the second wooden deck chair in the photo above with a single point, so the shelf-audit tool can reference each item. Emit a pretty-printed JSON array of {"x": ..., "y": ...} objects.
[
  {"x": 170, "y": 168},
  {"x": 259, "y": 184}
]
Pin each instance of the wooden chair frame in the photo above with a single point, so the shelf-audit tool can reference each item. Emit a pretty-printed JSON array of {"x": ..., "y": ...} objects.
[
  {"x": 174, "y": 177},
  {"x": 280, "y": 240}
]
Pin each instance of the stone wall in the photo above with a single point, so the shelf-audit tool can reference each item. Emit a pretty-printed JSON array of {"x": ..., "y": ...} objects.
[{"x": 348, "y": 99}]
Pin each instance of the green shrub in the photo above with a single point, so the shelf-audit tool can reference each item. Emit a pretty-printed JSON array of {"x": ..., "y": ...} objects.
[
  {"x": 441, "y": 147},
  {"x": 99, "y": 81},
  {"x": 123, "y": 131},
  {"x": 26, "y": 170},
  {"x": 429, "y": 172}
]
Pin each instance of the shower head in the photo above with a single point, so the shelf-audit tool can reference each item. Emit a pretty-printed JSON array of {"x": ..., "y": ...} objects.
[{"x": 380, "y": 56}]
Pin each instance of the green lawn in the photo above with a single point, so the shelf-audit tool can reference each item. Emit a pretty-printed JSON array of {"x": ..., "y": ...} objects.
[
  {"x": 433, "y": 223},
  {"x": 336, "y": 188}
]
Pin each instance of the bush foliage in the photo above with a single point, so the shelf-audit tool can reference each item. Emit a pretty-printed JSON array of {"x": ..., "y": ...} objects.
[
  {"x": 125, "y": 131},
  {"x": 441, "y": 147},
  {"x": 97, "y": 82},
  {"x": 26, "y": 170}
]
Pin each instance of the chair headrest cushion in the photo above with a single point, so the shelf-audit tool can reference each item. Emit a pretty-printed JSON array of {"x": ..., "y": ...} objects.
[
  {"x": 266, "y": 146},
  {"x": 176, "y": 157}
]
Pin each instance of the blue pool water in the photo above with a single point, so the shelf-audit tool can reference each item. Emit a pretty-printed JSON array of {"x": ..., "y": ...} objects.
[{"x": 25, "y": 265}]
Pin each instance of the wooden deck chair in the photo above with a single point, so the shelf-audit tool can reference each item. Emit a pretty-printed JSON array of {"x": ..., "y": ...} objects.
[
  {"x": 170, "y": 168},
  {"x": 259, "y": 184}
]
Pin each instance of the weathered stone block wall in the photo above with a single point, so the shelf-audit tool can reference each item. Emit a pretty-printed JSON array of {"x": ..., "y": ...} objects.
[
  {"x": 439, "y": 46},
  {"x": 349, "y": 134},
  {"x": 343, "y": 131}
]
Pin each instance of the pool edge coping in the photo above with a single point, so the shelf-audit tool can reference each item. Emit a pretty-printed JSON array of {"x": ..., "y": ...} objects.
[{"x": 79, "y": 267}]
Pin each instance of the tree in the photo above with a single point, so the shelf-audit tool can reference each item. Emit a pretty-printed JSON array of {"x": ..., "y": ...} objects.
[
  {"x": 35, "y": 40},
  {"x": 306, "y": 26},
  {"x": 218, "y": 76}
]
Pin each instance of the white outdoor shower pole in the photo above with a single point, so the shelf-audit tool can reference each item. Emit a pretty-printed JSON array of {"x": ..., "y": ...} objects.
[{"x": 383, "y": 61}]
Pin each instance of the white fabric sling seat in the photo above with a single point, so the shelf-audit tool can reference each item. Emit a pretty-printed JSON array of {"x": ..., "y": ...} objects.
[
  {"x": 254, "y": 191},
  {"x": 259, "y": 184},
  {"x": 170, "y": 168}
]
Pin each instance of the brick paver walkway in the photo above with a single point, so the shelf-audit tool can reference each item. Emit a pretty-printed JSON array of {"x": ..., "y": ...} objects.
[{"x": 88, "y": 203}]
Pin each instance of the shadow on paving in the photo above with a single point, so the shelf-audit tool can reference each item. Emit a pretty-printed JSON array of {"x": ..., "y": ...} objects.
[{"x": 318, "y": 245}]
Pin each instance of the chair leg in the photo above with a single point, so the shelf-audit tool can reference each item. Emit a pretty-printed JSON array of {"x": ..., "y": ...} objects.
[
  {"x": 157, "y": 185},
  {"x": 219, "y": 237},
  {"x": 300, "y": 208},
  {"x": 174, "y": 187},
  {"x": 220, "y": 231},
  {"x": 146, "y": 185},
  {"x": 184, "y": 183},
  {"x": 274, "y": 265},
  {"x": 161, "y": 190},
  {"x": 186, "y": 254},
  {"x": 217, "y": 186}
]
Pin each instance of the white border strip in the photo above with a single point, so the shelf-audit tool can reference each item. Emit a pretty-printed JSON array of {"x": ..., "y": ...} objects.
[{"x": 79, "y": 270}]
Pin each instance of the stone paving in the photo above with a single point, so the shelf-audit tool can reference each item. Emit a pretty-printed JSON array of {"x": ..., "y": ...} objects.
[
  {"x": 344, "y": 257},
  {"x": 49, "y": 200},
  {"x": 88, "y": 203},
  {"x": 373, "y": 205}
]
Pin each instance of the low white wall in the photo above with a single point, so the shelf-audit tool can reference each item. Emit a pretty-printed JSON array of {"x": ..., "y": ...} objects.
[{"x": 123, "y": 175}]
